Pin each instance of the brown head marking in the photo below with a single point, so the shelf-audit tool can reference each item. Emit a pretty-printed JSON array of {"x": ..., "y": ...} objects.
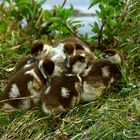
[
  {"x": 109, "y": 52},
  {"x": 76, "y": 58},
  {"x": 48, "y": 65},
  {"x": 78, "y": 46},
  {"x": 69, "y": 48},
  {"x": 37, "y": 48}
]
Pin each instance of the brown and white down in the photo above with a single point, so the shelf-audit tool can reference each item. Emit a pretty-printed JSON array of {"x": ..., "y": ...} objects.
[
  {"x": 98, "y": 77},
  {"x": 38, "y": 52},
  {"x": 77, "y": 43},
  {"x": 25, "y": 87},
  {"x": 112, "y": 55},
  {"x": 73, "y": 46},
  {"x": 64, "y": 58},
  {"x": 65, "y": 89},
  {"x": 100, "y": 74},
  {"x": 62, "y": 94},
  {"x": 77, "y": 51},
  {"x": 63, "y": 50}
]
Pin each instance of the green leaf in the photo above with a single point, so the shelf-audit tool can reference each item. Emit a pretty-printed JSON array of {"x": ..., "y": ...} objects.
[
  {"x": 40, "y": 2},
  {"x": 94, "y": 37},
  {"x": 96, "y": 28},
  {"x": 48, "y": 14},
  {"x": 72, "y": 22},
  {"x": 55, "y": 19},
  {"x": 94, "y": 2},
  {"x": 3, "y": 27}
]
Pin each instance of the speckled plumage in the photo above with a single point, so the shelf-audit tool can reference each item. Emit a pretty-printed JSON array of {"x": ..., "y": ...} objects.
[
  {"x": 97, "y": 78},
  {"x": 25, "y": 87}
]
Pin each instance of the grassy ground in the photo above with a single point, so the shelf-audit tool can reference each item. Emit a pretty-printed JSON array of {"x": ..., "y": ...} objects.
[{"x": 116, "y": 115}]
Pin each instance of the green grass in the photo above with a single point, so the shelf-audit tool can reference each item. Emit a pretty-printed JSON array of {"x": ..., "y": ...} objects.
[
  {"x": 110, "y": 117},
  {"x": 116, "y": 115}
]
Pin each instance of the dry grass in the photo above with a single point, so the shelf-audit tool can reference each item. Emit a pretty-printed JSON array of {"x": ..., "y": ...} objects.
[{"x": 110, "y": 117}]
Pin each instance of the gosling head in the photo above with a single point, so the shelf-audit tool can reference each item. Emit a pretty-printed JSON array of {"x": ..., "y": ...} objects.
[
  {"x": 78, "y": 64},
  {"x": 69, "y": 51},
  {"x": 46, "y": 67},
  {"x": 40, "y": 50},
  {"x": 37, "y": 48},
  {"x": 112, "y": 55}
]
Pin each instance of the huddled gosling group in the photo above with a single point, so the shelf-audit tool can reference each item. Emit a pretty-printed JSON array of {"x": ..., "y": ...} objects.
[{"x": 60, "y": 76}]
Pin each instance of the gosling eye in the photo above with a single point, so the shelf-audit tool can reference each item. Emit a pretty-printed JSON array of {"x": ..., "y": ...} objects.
[{"x": 87, "y": 67}]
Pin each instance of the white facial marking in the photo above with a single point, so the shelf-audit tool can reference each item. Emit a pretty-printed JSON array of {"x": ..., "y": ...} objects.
[
  {"x": 60, "y": 46},
  {"x": 105, "y": 71},
  {"x": 83, "y": 54},
  {"x": 57, "y": 70},
  {"x": 86, "y": 72},
  {"x": 57, "y": 52},
  {"x": 86, "y": 49},
  {"x": 27, "y": 65},
  {"x": 32, "y": 72},
  {"x": 45, "y": 109},
  {"x": 79, "y": 78},
  {"x": 58, "y": 60},
  {"x": 74, "y": 53},
  {"x": 115, "y": 59},
  {"x": 106, "y": 56},
  {"x": 46, "y": 48},
  {"x": 47, "y": 90},
  {"x": 64, "y": 92},
  {"x": 59, "y": 65},
  {"x": 60, "y": 49},
  {"x": 79, "y": 67},
  {"x": 69, "y": 74},
  {"x": 41, "y": 69},
  {"x": 14, "y": 91}
]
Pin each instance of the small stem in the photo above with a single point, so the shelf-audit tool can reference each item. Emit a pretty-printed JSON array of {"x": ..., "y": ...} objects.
[
  {"x": 39, "y": 18},
  {"x": 100, "y": 35},
  {"x": 64, "y": 2},
  {"x": 125, "y": 9}
]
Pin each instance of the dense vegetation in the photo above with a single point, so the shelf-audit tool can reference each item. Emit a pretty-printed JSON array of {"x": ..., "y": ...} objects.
[{"x": 116, "y": 115}]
